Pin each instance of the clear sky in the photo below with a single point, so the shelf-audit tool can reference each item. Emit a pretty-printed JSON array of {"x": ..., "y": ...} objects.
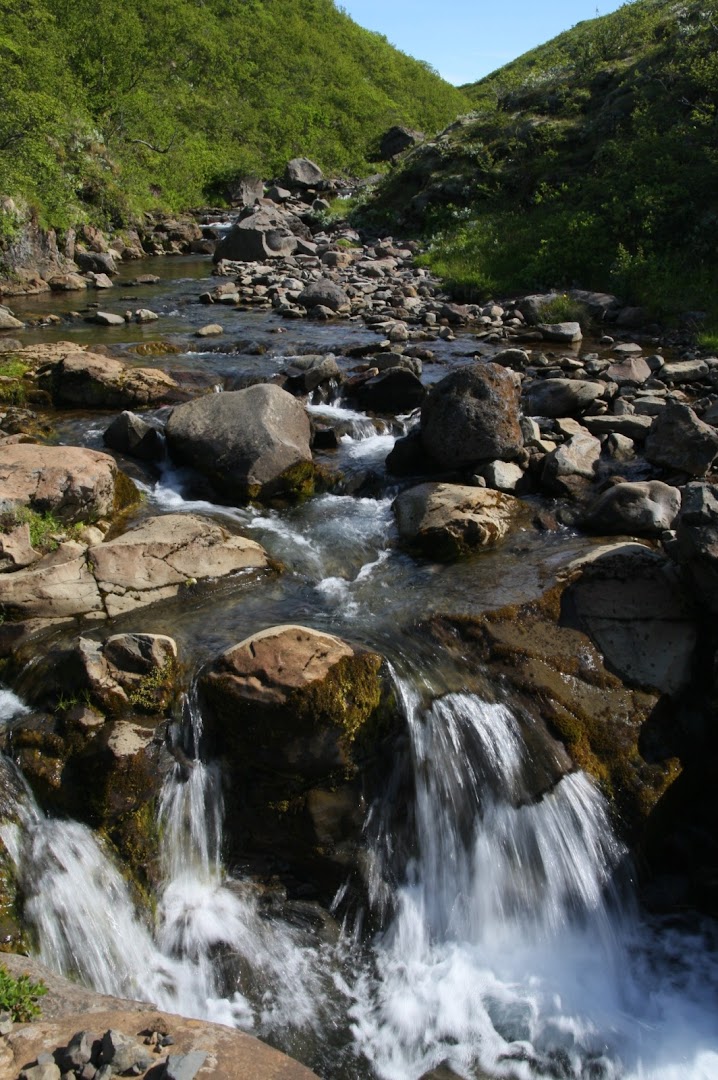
[{"x": 465, "y": 39}]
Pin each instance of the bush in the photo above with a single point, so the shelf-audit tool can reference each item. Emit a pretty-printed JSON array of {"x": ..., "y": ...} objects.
[{"x": 18, "y": 996}]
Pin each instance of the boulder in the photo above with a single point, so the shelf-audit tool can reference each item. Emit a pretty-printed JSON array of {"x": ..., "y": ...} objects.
[
  {"x": 684, "y": 371},
  {"x": 697, "y": 541},
  {"x": 98, "y": 262},
  {"x": 128, "y": 671},
  {"x": 324, "y": 293},
  {"x": 561, "y": 397},
  {"x": 16, "y": 551},
  {"x": 398, "y": 139},
  {"x": 634, "y": 427},
  {"x": 303, "y": 173},
  {"x": 52, "y": 588},
  {"x": 567, "y": 468},
  {"x": 252, "y": 443},
  {"x": 397, "y": 390},
  {"x": 472, "y": 416},
  {"x": 108, "y": 318},
  {"x": 162, "y": 555},
  {"x": 631, "y": 603},
  {"x": 680, "y": 442},
  {"x": 631, "y": 371},
  {"x": 639, "y": 509},
  {"x": 8, "y": 320},
  {"x": 448, "y": 520},
  {"x": 71, "y": 482},
  {"x": 88, "y": 380},
  {"x": 301, "y": 719},
  {"x": 67, "y": 283},
  {"x": 130, "y": 434},
  {"x": 564, "y": 333},
  {"x": 264, "y": 234},
  {"x": 305, "y": 373}
]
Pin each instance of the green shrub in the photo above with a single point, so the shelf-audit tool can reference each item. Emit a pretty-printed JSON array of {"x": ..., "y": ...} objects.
[
  {"x": 46, "y": 530},
  {"x": 564, "y": 309},
  {"x": 18, "y": 996}
]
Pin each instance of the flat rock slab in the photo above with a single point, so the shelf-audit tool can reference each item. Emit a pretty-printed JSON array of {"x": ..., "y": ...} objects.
[
  {"x": 75, "y": 377},
  {"x": 448, "y": 520},
  {"x": 70, "y": 481}
]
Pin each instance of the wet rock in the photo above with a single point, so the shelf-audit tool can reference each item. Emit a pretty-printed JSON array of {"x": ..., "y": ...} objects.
[
  {"x": 408, "y": 456},
  {"x": 108, "y": 318},
  {"x": 129, "y": 670},
  {"x": 305, "y": 373},
  {"x": 679, "y": 441},
  {"x": 71, "y": 482},
  {"x": 130, "y": 434},
  {"x": 8, "y": 321},
  {"x": 158, "y": 558},
  {"x": 252, "y": 443},
  {"x": 449, "y": 520},
  {"x": 210, "y": 330},
  {"x": 472, "y": 416},
  {"x": 697, "y": 541},
  {"x": 264, "y": 234},
  {"x": 67, "y": 283},
  {"x": 640, "y": 509},
  {"x": 565, "y": 333},
  {"x": 561, "y": 397},
  {"x": 74, "y": 377},
  {"x": 145, "y": 315},
  {"x": 397, "y": 390}
]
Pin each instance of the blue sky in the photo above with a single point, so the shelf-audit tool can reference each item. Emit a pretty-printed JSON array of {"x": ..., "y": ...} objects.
[{"x": 465, "y": 39}]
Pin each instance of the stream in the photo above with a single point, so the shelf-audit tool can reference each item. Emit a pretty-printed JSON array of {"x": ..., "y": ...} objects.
[{"x": 507, "y": 939}]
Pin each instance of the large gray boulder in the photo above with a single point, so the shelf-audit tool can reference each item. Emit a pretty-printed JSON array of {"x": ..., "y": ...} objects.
[
  {"x": 472, "y": 416},
  {"x": 301, "y": 172},
  {"x": 569, "y": 468},
  {"x": 448, "y": 520},
  {"x": 324, "y": 293},
  {"x": 640, "y": 509},
  {"x": 265, "y": 234},
  {"x": 130, "y": 434},
  {"x": 561, "y": 397},
  {"x": 679, "y": 441},
  {"x": 398, "y": 139},
  {"x": 252, "y": 443},
  {"x": 72, "y": 482}
]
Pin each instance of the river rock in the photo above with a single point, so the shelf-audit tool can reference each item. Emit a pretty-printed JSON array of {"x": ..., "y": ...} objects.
[
  {"x": 633, "y": 427},
  {"x": 99, "y": 262},
  {"x": 398, "y": 139},
  {"x": 684, "y": 371},
  {"x": 631, "y": 371},
  {"x": 87, "y": 380},
  {"x": 679, "y": 441},
  {"x": 449, "y": 520},
  {"x": 8, "y": 320},
  {"x": 305, "y": 373},
  {"x": 561, "y": 397},
  {"x": 128, "y": 670},
  {"x": 301, "y": 718},
  {"x": 301, "y": 172},
  {"x": 55, "y": 587},
  {"x": 157, "y": 558},
  {"x": 472, "y": 416},
  {"x": 252, "y": 443},
  {"x": 697, "y": 541},
  {"x": 324, "y": 293},
  {"x": 70, "y": 481},
  {"x": 397, "y": 390},
  {"x": 264, "y": 234},
  {"x": 130, "y": 434},
  {"x": 631, "y": 603},
  {"x": 67, "y": 283},
  {"x": 16, "y": 551},
  {"x": 567, "y": 468},
  {"x": 640, "y": 509},
  {"x": 564, "y": 333}
]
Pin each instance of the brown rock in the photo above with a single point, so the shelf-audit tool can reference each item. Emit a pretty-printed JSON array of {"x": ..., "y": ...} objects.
[
  {"x": 70, "y": 481},
  {"x": 448, "y": 520},
  {"x": 78, "y": 378}
]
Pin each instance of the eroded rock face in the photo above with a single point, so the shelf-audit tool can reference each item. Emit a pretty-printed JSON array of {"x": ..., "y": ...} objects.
[
  {"x": 301, "y": 719},
  {"x": 70, "y": 481},
  {"x": 448, "y": 520},
  {"x": 472, "y": 416},
  {"x": 77, "y": 378},
  {"x": 252, "y": 443},
  {"x": 157, "y": 558}
]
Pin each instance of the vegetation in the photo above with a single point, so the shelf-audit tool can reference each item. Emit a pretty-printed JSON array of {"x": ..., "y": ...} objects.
[
  {"x": 46, "y": 530},
  {"x": 590, "y": 161},
  {"x": 12, "y": 390},
  {"x": 18, "y": 996},
  {"x": 110, "y": 110}
]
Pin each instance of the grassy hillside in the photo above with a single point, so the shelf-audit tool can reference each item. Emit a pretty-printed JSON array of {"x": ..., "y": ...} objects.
[
  {"x": 110, "y": 107},
  {"x": 591, "y": 160}
]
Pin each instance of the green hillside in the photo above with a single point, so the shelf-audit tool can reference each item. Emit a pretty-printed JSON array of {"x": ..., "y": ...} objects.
[
  {"x": 109, "y": 107},
  {"x": 591, "y": 160}
]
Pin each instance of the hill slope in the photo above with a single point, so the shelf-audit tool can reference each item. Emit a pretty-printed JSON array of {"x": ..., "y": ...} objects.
[
  {"x": 108, "y": 108},
  {"x": 591, "y": 160}
]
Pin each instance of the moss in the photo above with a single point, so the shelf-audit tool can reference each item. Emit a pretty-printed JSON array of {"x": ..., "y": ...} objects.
[
  {"x": 126, "y": 494},
  {"x": 13, "y": 936},
  {"x": 156, "y": 348},
  {"x": 155, "y": 690},
  {"x": 299, "y": 482}
]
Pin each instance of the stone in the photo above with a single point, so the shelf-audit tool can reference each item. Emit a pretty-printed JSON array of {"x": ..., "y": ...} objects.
[
  {"x": 146, "y": 315},
  {"x": 632, "y": 426},
  {"x": 564, "y": 333},
  {"x": 264, "y": 234},
  {"x": 301, "y": 172},
  {"x": 8, "y": 321},
  {"x": 684, "y": 371},
  {"x": 128, "y": 669},
  {"x": 55, "y": 590},
  {"x": 326, "y": 293},
  {"x": 637, "y": 509},
  {"x": 75, "y": 377},
  {"x": 96, "y": 262},
  {"x": 305, "y": 373},
  {"x": 633, "y": 607},
  {"x": 108, "y": 318},
  {"x": 448, "y": 520},
  {"x": 67, "y": 283},
  {"x": 124, "y": 1054},
  {"x": 100, "y": 281},
  {"x": 503, "y": 476},
  {"x": 46, "y": 1071},
  {"x": 628, "y": 348},
  {"x": 252, "y": 443},
  {"x": 157, "y": 558},
  {"x": 680, "y": 442},
  {"x": 631, "y": 371},
  {"x": 210, "y": 330},
  {"x": 561, "y": 397},
  {"x": 16, "y": 551},
  {"x": 130, "y": 434},
  {"x": 397, "y": 390},
  {"x": 398, "y": 139},
  {"x": 518, "y": 359},
  {"x": 697, "y": 541},
  {"x": 70, "y": 481},
  {"x": 471, "y": 417},
  {"x": 77, "y": 1053},
  {"x": 184, "y": 1066},
  {"x": 577, "y": 458}
]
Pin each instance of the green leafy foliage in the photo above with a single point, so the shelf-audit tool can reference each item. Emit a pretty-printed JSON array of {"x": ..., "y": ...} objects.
[
  {"x": 18, "y": 996},
  {"x": 46, "y": 530},
  {"x": 591, "y": 161},
  {"x": 107, "y": 110}
]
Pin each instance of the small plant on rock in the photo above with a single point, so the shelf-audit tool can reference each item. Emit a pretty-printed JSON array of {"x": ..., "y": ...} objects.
[{"x": 18, "y": 996}]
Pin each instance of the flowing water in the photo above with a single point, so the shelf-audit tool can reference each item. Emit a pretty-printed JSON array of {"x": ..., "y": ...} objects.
[{"x": 500, "y": 935}]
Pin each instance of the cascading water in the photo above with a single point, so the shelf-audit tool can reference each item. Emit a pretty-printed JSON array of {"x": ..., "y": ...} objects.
[{"x": 510, "y": 951}]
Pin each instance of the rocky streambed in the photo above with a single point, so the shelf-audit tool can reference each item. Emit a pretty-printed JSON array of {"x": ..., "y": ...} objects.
[{"x": 372, "y": 635}]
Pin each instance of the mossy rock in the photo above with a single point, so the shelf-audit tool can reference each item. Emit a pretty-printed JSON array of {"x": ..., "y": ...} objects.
[
  {"x": 557, "y": 672},
  {"x": 156, "y": 348}
]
